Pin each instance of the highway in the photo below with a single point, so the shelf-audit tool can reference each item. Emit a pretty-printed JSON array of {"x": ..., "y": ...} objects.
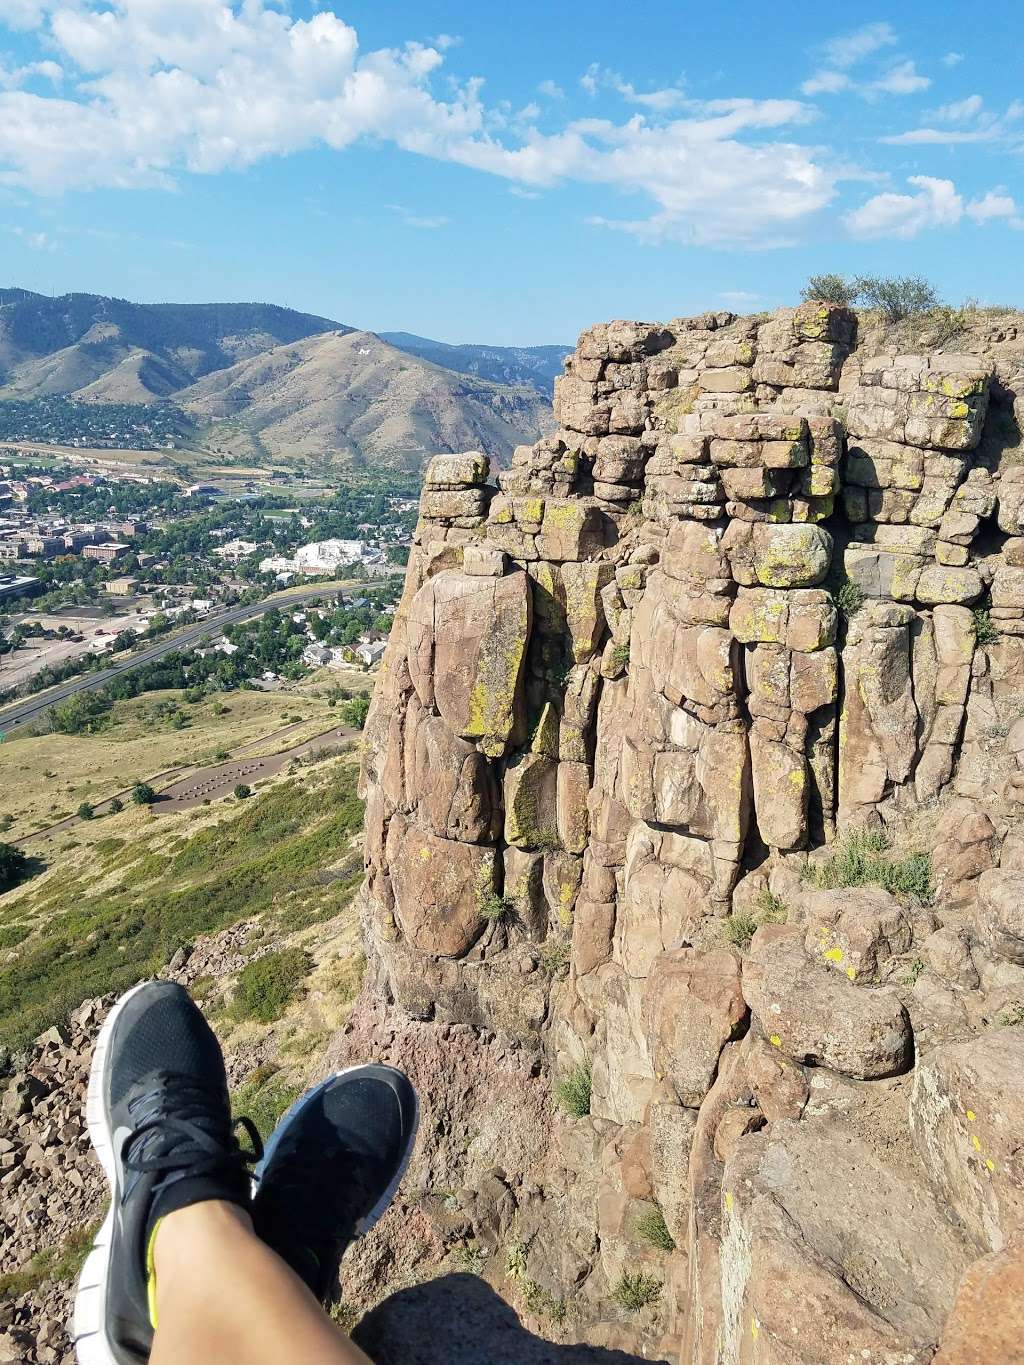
[{"x": 21, "y": 712}]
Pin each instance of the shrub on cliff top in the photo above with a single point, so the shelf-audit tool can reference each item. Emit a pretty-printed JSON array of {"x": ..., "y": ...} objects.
[
  {"x": 830, "y": 288},
  {"x": 895, "y": 296}
]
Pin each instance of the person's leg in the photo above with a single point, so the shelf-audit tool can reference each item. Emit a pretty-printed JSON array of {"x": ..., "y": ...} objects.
[
  {"x": 222, "y": 1295},
  {"x": 188, "y": 1266}
]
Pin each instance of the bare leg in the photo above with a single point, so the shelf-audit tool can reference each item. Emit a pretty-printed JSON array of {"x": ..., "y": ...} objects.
[{"x": 222, "y": 1295}]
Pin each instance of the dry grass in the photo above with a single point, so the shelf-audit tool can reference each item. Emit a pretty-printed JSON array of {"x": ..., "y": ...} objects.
[{"x": 46, "y": 778}]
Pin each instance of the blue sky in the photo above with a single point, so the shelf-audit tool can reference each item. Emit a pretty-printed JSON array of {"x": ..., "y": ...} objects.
[{"x": 512, "y": 176}]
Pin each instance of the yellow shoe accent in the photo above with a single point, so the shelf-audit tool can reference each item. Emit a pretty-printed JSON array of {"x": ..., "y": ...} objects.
[{"x": 151, "y": 1274}]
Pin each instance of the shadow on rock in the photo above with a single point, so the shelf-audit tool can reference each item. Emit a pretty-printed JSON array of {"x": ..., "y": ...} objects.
[{"x": 460, "y": 1320}]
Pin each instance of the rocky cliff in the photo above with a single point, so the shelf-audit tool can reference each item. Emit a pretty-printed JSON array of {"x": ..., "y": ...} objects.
[{"x": 693, "y": 796}]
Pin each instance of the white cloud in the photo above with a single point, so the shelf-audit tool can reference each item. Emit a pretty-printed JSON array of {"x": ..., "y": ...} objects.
[
  {"x": 952, "y": 59},
  {"x": 551, "y": 90},
  {"x": 597, "y": 78},
  {"x": 983, "y": 125},
  {"x": 739, "y": 296},
  {"x": 158, "y": 87},
  {"x": 851, "y": 48},
  {"x": 22, "y": 14},
  {"x": 960, "y": 111},
  {"x": 14, "y": 78},
  {"x": 38, "y": 241},
  {"x": 936, "y": 204},
  {"x": 826, "y": 83},
  {"x": 994, "y": 204},
  {"x": 915, "y": 137},
  {"x": 901, "y": 79},
  {"x": 418, "y": 220}
]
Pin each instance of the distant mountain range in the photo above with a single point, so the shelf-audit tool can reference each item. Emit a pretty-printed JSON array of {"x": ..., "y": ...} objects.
[
  {"x": 261, "y": 381},
  {"x": 535, "y": 365}
]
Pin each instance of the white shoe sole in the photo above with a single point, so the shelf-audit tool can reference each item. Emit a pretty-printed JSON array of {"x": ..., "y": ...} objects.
[{"x": 92, "y": 1345}]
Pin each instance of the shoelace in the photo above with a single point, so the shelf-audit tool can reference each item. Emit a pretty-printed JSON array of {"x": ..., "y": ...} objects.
[{"x": 180, "y": 1130}]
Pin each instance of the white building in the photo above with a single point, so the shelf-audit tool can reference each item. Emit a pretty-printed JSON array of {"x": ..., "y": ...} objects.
[
  {"x": 372, "y": 653},
  {"x": 234, "y": 550},
  {"x": 324, "y": 556}
]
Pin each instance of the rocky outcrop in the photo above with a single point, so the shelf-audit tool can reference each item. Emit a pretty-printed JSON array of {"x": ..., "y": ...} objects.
[{"x": 763, "y": 587}]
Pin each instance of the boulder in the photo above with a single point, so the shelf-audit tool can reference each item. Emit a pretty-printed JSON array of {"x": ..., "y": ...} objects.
[
  {"x": 792, "y": 556},
  {"x": 816, "y": 1017},
  {"x": 966, "y": 1119},
  {"x": 693, "y": 1006},
  {"x": 986, "y": 1325},
  {"x": 999, "y": 913},
  {"x": 439, "y": 886},
  {"x": 467, "y": 640},
  {"x": 855, "y": 930}
]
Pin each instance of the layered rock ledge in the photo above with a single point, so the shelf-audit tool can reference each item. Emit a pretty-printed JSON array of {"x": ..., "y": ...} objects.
[{"x": 762, "y": 588}]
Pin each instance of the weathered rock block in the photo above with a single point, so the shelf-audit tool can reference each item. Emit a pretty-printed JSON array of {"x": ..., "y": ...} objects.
[
  {"x": 693, "y": 1006},
  {"x": 439, "y": 886},
  {"x": 815, "y": 1016},
  {"x": 467, "y": 641},
  {"x": 966, "y": 1117}
]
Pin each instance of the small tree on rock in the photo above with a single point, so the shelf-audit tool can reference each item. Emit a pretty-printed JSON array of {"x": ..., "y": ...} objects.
[{"x": 830, "y": 288}]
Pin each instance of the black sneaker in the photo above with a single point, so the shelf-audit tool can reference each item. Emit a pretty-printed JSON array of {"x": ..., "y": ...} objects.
[
  {"x": 332, "y": 1167},
  {"x": 160, "y": 1120}
]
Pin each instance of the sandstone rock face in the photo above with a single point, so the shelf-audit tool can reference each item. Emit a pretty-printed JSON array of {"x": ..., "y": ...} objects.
[{"x": 760, "y": 592}]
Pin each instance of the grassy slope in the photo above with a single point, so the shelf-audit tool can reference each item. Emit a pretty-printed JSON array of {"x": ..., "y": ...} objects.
[
  {"x": 46, "y": 778},
  {"x": 114, "y": 907}
]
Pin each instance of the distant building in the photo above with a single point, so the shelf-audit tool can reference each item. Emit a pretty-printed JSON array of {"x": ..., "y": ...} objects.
[
  {"x": 234, "y": 550},
  {"x": 372, "y": 653},
  {"x": 11, "y": 586},
  {"x": 105, "y": 553},
  {"x": 133, "y": 528},
  {"x": 203, "y": 490},
  {"x": 122, "y": 587},
  {"x": 75, "y": 541},
  {"x": 324, "y": 556},
  {"x": 15, "y": 548},
  {"x": 44, "y": 547}
]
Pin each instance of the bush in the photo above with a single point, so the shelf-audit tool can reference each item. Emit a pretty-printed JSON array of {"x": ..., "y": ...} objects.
[
  {"x": 14, "y": 866},
  {"x": 242, "y": 790},
  {"x": 771, "y": 909},
  {"x": 830, "y": 288},
  {"x": 84, "y": 713},
  {"x": 862, "y": 859},
  {"x": 573, "y": 1092},
  {"x": 495, "y": 908},
  {"x": 267, "y": 985},
  {"x": 739, "y": 929},
  {"x": 652, "y": 1228},
  {"x": 634, "y": 1292},
  {"x": 985, "y": 633},
  {"x": 116, "y": 806},
  {"x": 6, "y": 821},
  {"x": 897, "y": 296},
  {"x": 143, "y": 794},
  {"x": 620, "y": 655},
  {"x": 848, "y": 598},
  {"x": 85, "y": 811},
  {"x": 354, "y": 712}
]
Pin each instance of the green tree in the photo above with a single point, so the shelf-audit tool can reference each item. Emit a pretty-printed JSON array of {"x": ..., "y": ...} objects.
[
  {"x": 354, "y": 712},
  {"x": 897, "y": 296},
  {"x": 13, "y": 866},
  {"x": 143, "y": 794},
  {"x": 830, "y": 288},
  {"x": 85, "y": 811},
  {"x": 242, "y": 790}
]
